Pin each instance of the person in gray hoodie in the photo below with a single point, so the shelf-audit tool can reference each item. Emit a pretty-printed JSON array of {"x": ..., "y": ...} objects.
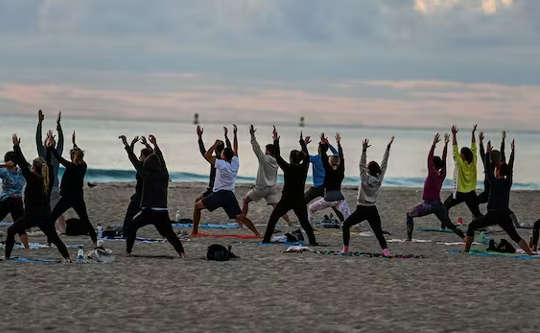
[
  {"x": 266, "y": 182},
  {"x": 371, "y": 179}
]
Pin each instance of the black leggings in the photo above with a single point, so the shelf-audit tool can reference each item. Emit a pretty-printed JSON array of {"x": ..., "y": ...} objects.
[
  {"x": 300, "y": 209},
  {"x": 13, "y": 206},
  {"x": 470, "y": 199},
  {"x": 162, "y": 222},
  {"x": 44, "y": 223},
  {"x": 362, "y": 213},
  {"x": 535, "y": 233},
  {"x": 492, "y": 218},
  {"x": 316, "y": 192},
  {"x": 79, "y": 206},
  {"x": 132, "y": 210}
]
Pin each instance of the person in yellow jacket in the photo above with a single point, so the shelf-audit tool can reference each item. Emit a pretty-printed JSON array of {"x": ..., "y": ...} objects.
[{"x": 465, "y": 175}]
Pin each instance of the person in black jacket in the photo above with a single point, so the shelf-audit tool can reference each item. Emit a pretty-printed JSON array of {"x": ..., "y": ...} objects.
[
  {"x": 137, "y": 162},
  {"x": 500, "y": 183},
  {"x": 294, "y": 174},
  {"x": 153, "y": 208},
  {"x": 71, "y": 187},
  {"x": 36, "y": 201}
]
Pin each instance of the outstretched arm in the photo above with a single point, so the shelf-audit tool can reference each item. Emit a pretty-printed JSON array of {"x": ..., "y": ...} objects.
[
  {"x": 503, "y": 144},
  {"x": 39, "y": 139},
  {"x": 363, "y": 159},
  {"x": 60, "y": 145},
  {"x": 209, "y": 155},
  {"x": 281, "y": 162},
  {"x": 158, "y": 152},
  {"x": 235, "y": 140},
  {"x": 384, "y": 163},
  {"x": 511, "y": 161},
  {"x": 445, "y": 150},
  {"x": 130, "y": 151},
  {"x": 227, "y": 141},
  {"x": 255, "y": 145},
  {"x": 489, "y": 169},
  {"x": 305, "y": 159},
  {"x": 430, "y": 164},
  {"x": 473, "y": 135},
  {"x": 21, "y": 161},
  {"x": 202, "y": 149},
  {"x": 482, "y": 152}
]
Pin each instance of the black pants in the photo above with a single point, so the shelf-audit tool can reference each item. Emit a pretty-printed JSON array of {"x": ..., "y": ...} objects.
[
  {"x": 13, "y": 206},
  {"x": 535, "y": 233},
  {"x": 431, "y": 207},
  {"x": 132, "y": 210},
  {"x": 362, "y": 213},
  {"x": 299, "y": 207},
  {"x": 470, "y": 199},
  {"x": 79, "y": 206},
  {"x": 162, "y": 222},
  {"x": 44, "y": 223},
  {"x": 483, "y": 197},
  {"x": 492, "y": 218},
  {"x": 316, "y": 192}
]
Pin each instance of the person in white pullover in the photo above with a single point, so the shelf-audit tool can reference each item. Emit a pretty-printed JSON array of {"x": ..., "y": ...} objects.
[
  {"x": 371, "y": 179},
  {"x": 266, "y": 182}
]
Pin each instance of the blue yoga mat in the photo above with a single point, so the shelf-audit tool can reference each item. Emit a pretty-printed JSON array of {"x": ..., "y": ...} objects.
[
  {"x": 138, "y": 239},
  {"x": 496, "y": 254},
  {"x": 435, "y": 230},
  {"x": 5, "y": 224},
  {"x": 207, "y": 225},
  {"x": 26, "y": 260}
]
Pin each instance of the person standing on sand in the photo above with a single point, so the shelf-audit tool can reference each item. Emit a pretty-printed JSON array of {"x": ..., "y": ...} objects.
[
  {"x": 319, "y": 174},
  {"x": 371, "y": 179},
  {"x": 432, "y": 191},
  {"x": 153, "y": 207},
  {"x": 36, "y": 201},
  {"x": 334, "y": 169},
  {"x": 71, "y": 187},
  {"x": 500, "y": 178},
  {"x": 218, "y": 150},
  {"x": 465, "y": 175},
  {"x": 295, "y": 174},
  {"x": 137, "y": 162},
  {"x": 266, "y": 182},
  {"x": 223, "y": 191},
  {"x": 55, "y": 164}
]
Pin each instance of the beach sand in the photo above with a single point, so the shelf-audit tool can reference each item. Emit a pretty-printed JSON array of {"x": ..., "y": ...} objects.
[{"x": 267, "y": 290}]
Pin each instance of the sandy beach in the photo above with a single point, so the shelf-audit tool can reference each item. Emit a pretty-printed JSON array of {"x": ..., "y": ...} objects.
[{"x": 267, "y": 290}]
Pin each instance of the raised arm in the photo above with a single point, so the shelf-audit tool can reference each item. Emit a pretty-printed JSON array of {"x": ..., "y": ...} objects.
[
  {"x": 473, "y": 134},
  {"x": 21, "y": 161},
  {"x": 489, "y": 169},
  {"x": 511, "y": 162},
  {"x": 482, "y": 152},
  {"x": 209, "y": 155},
  {"x": 305, "y": 159},
  {"x": 280, "y": 161},
  {"x": 430, "y": 164},
  {"x": 227, "y": 141},
  {"x": 60, "y": 144},
  {"x": 158, "y": 152},
  {"x": 384, "y": 163},
  {"x": 445, "y": 150},
  {"x": 130, "y": 151},
  {"x": 474, "y": 149},
  {"x": 60, "y": 159},
  {"x": 202, "y": 149},
  {"x": 503, "y": 144},
  {"x": 363, "y": 158},
  {"x": 39, "y": 139},
  {"x": 235, "y": 140},
  {"x": 255, "y": 145}
]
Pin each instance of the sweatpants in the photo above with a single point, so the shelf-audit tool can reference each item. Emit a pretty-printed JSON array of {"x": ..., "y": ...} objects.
[
  {"x": 362, "y": 213},
  {"x": 431, "y": 207},
  {"x": 321, "y": 204},
  {"x": 79, "y": 206},
  {"x": 316, "y": 192},
  {"x": 160, "y": 219},
  {"x": 492, "y": 218},
  {"x": 44, "y": 223},
  {"x": 283, "y": 206}
]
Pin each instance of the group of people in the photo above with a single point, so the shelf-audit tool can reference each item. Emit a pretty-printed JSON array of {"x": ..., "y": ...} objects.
[{"x": 45, "y": 199}]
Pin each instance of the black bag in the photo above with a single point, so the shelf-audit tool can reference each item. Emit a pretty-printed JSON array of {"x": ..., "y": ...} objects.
[
  {"x": 74, "y": 227},
  {"x": 114, "y": 231},
  {"x": 219, "y": 253}
]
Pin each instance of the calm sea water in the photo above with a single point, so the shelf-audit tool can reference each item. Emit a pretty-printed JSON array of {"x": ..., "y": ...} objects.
[{"x": 107, "y": 159}]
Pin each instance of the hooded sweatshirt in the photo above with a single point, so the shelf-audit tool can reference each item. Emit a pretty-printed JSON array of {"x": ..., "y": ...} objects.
[
  {"x": 466, "y": 172},
  {"x": 370, "y": 185},
  {"x": 268, "y": 167},
  {"x": 155, "y": 180}
]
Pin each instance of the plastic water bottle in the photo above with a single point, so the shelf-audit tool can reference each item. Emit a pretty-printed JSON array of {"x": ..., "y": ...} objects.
[
  {"x": 99, "y": 231},
  {"x": 80, "y": 254},
  {"x": 178, "y": 216}
]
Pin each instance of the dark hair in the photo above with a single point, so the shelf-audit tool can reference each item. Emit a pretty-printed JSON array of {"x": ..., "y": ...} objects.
[
  {"x": 146, "y": 152},
  {"x": 80, "y": 153},
  {"x": 323, "y": 147},
  {"x": 437, "y": 161},
  {"x": 374, "y": 169},
  {"x": 504, "y": 170},
  {"x": 228, "y": 154},
  {"x": 296, "y": 156},
  {"x": 152, "y": 163},
  {"x": 467, "y": 154},
  {"x": 495, "y": 156},
  {"x": 271, "y": 149},
  {"x": 219, "y": 147},
  {"x": 10, "y": 156}
]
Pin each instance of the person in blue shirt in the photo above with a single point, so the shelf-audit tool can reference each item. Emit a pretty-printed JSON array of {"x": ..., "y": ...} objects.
[
  {"x": 317, "y": 190},
  {"x": 11, "y": 198}
]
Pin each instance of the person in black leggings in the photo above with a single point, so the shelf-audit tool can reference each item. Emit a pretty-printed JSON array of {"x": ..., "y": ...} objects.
[
  {"x": 137, "y": 162},
  {"x": 71, "y": 187},
  {"x": 153, "y": 210},
  {"x": 500, "y": 178},
  {"x": 294, "y": 174},
  {"x": 36, "y": 200}
]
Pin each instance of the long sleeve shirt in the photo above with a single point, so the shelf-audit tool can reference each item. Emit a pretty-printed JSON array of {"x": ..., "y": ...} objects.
[
  {"x": 155, "y": 180},
  {"x": 42, "y": 151},
  {"x": 294, "y": 174},
  {"x": 268, "y": 167},
  {"x": 499, "y": 192},
  {"x": 467, "y": 177},
  {"x": 318, "y": 168},
  {"x": 333, "y": 178},
  {"x": 483, "y": 157},
  {"x": 138, "y": 167},
  {"x": 12, "y": 183},
  {"x": 73, "y": 178},
  {"x": 435, "y": 178},
  {"x": 370, "y": 185},
  {"x": 36, "y": 199}
]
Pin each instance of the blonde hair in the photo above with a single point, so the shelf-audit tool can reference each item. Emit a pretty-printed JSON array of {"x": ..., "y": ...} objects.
[
  {"x": 77, "y": 156},
  {"x": 40, "y": 164}
]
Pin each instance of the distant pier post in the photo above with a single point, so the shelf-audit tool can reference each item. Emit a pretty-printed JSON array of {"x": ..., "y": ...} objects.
[
  {"x": 196, "y": 119},
  {"x": 302, "y": 122}
]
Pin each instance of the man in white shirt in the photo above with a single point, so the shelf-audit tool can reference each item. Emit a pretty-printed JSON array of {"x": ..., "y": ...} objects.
[
  {"x": 223, "y": 192},
  {"x": 266, "y": 182}
]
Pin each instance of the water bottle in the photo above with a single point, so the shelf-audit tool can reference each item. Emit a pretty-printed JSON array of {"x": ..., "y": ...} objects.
[
  {"x": 80, "y": 254},
  {"x": 178, "y": 216},
  {"x": 99, "y": 231}
]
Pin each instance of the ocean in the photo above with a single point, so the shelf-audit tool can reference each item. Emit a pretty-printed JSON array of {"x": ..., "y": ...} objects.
[{"x": 107, "y": 160}]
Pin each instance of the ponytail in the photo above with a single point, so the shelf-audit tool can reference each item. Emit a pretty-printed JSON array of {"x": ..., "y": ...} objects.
[{"x": 43, "y": 170}]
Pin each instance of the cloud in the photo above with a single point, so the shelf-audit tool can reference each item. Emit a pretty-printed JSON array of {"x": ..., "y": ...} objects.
[{"x": 485, "y": 6}]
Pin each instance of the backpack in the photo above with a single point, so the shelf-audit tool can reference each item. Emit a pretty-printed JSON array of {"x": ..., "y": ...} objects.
[
  {"x": 114, "y": 231},
  {"x": 74, "y": 227},
  {"x": 219, "y": 253}
]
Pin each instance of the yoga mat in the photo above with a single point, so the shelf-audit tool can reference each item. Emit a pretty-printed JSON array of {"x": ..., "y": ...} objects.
[
  {"x": 138, "y": 239},
  {"x": 5, "y": 224},
  {"x": 26, "y": 260},
  {"x": 225, "y": 236},
  {"x": 496, "y": 254},
  {"x": 435, "y": 230},
  {"x": 37, "y": 246},
  {"x": 207, "y": 225},
  {"x": 152, "y": 256},
  {"x": 282, "y": 243},
  {"x": 414, "y": 240},
  {"x": 368, "y": 255}
]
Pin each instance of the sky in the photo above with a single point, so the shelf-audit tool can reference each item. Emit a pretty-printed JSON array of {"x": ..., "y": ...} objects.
[{"x": 412, "y": 63}]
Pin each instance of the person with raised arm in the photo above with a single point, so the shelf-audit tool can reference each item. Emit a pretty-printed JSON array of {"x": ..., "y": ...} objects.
[
  {"x": 334, "y": 169},
  {"x": 55, "y": 164},
  {"x": 71, "y": 187},
  {"x": 218, "y": 150},
  {"x": 137, "y": 162},
  {"x": 465, "y": 175},
  {"x": 371, "y": 179},
  {"x": 36, "y": 200},
  {"x": 432, "y": 191},
  {"x": 222, "y": 195},
  {"x": 292, "y": 197},
  {"x": 153, "y": 206},
  {"x": 500, "y": 178},
  {"x": 266, "y": 183},
  {"x": 496, "y": 157}
]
